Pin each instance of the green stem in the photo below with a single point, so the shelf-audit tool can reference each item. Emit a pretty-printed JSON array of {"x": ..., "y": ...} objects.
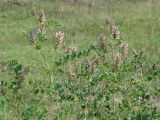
[
  {"x": 86, "y": 112},
  {"x": 47, "y": 65}
]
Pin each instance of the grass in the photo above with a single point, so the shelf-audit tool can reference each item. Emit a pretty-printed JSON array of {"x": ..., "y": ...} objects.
[
  {"x": 127, "y": 94},
  {"x": 139, "y": 25}
]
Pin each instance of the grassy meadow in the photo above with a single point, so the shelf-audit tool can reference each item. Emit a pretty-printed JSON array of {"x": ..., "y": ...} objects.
[{"x": 81, "y": 75}]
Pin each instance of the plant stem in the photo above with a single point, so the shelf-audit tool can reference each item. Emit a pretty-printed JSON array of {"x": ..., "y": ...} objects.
[{"x": 47, "y": 65}]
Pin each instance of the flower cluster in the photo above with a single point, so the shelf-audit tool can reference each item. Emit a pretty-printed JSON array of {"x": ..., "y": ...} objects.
[
  {"x": 34, "y": 12},
  {"x": 39, "y": 34},
  {"x": 42, "y": 22},
  {"x": 118, "y": 60},
  {"x": 42, "y": 18},
  {"x": 70, "y": 71},
  {"x": 124, "y": 47},
  {"x": 90, "y": 65},
  {"x": 70, "y": 50},
  {"x": 101, "y": 40},
  {"x": 32, "y": 37},
  {"x": 114, "y": 32},
  {"x": 26, "y": 69},
  {"x": 59, "y": 39},
  {"x": 90, "y": 98},
  {"x": 42, "y": 29},
  {"x": 119, "y": 57}
]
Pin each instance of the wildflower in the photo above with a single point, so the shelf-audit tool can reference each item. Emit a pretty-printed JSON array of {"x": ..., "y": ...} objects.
[
  {"x": 33, "y": 12},
  {"x": 101, "y": 40},
  {"x": 70, "y": 71},
  {"x": 114, "y": 32},
  {"x": 20, "y": 79},
  {"x": 87, "y": 64},
  {"x": 70, "y": 50},
  {"x": 91, "y": 65},
  {"x": 108, "y": 21},
  {"x": 26, "y": 69},
  {"x": 124, "y": 47},
  {"x": 42, "y": 18},
  {"x": 103, "y": 56},
  {"x": 141, "y": 98},
  {"x": 42, "y": 29},
  {"x": 117, "y": 34},
  {"x": 118, "y": 60},
  {"x": 33, "y": 37},
  {"x": 90, "y": 98},
  {"x": 37, "y": 35},
  {"x": 59, "y": 38}
]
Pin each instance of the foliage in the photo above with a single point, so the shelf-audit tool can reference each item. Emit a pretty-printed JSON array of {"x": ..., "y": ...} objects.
[{"x": 104, "y": 80}]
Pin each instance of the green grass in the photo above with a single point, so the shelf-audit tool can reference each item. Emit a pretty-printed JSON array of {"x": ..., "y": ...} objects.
[
  {"x": 138, "y": 21},
  {"x": 37, "y": 98}
]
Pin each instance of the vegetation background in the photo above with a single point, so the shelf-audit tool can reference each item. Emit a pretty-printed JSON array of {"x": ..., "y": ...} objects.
[
  {"x": 139, "y": 20},
  {"x": 81, "y": 21}
]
